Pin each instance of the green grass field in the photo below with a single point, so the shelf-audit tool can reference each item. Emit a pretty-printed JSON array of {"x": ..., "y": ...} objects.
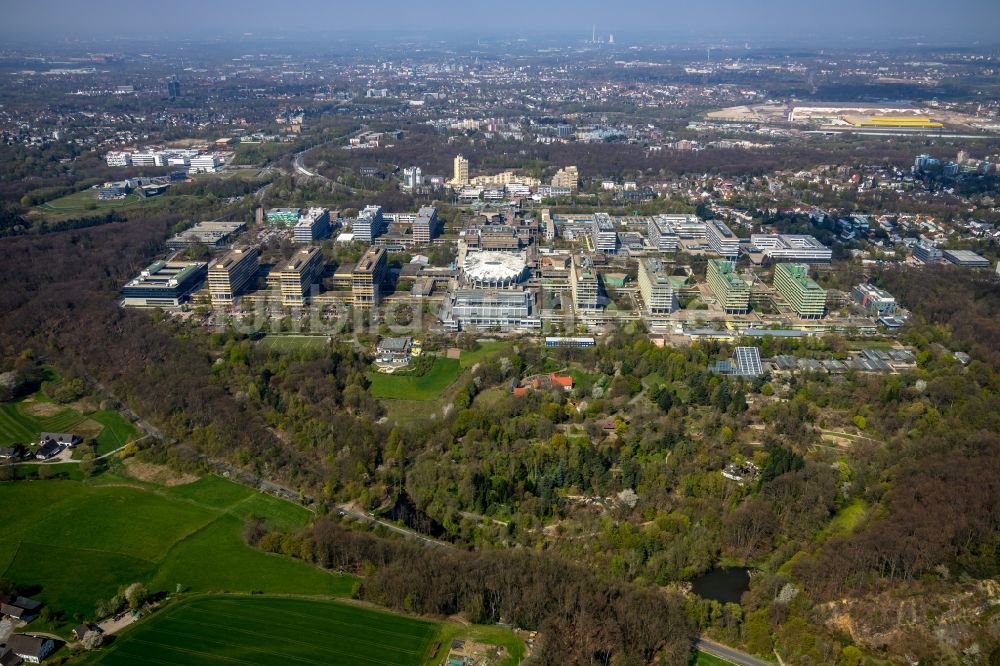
[
  {"x": 72, "y": 543},
  {"x": 429, "y": 386},
  {"x": 117, "y": 431},
  {"x": 267, "y": 631},
  {"x": 86, "y": 200},
  {"x": 284, "y": 344},
  {"x": 15, "y": 426},
  {"x": 485, "y": 351}
]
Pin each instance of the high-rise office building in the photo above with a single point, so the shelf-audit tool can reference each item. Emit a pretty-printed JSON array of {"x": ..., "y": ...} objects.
[
  {"x": 413, "y": 178},
  {"x": 173, "y": 89},
  {"x": 313, "y": 225},
  {"x": 728, "y": 287},
  {"x": 369, "y": 225},
  {"x": 461, "y": 176},
  {"x": 298, "y": 274},
  {"x": 605, "y": 236},
  {"x": 806, "y": 297},
  {"x": 655, "y": 287},
  {"x": 368, "y": 276},
  {"x": 230, "y": 274},
  {"x": 585, "y": 284},
  {"x": 425, "y": 225},
  {"x": 567, "y": 177}
]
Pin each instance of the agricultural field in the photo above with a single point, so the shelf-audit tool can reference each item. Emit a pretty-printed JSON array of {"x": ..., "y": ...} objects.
[
  {"x": 72, "y": 543},
  {"x": 428, "y": 386},
  {"x": 265, "y": 631}
]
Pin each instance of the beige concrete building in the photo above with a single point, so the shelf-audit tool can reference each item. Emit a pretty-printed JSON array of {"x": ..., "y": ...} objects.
[
  {"x": 567, "y": 177},
  {"x": 298, "y": 274},
  {"x": 368, "y": 276},
  {"x": 461, "y": 176},
  {"x": 230, "y": 274}
]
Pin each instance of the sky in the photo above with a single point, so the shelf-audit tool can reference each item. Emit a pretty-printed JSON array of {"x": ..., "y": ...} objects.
[{"x": 824, "y": 22}]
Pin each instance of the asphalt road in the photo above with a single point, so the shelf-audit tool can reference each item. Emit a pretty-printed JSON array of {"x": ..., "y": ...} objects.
[
  {"x": 345, "y": 510},
  {"x": 728, "y": 653}
]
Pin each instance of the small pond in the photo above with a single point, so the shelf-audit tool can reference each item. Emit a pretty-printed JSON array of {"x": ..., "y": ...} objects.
[{"x": 723, "y": 585}]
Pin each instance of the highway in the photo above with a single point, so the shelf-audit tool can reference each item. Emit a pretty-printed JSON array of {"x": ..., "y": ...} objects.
[{"x": 729, "y": 654}]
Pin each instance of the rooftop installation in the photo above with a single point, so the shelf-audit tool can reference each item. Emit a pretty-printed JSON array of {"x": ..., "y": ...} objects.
[{"x": 493, "y": 269}]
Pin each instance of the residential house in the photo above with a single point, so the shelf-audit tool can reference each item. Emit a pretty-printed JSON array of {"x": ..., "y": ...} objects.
[
  {"x": 64, "y": 438},
  {"x": 33, "y": 649},
  {"x": 22, "y": 609}
]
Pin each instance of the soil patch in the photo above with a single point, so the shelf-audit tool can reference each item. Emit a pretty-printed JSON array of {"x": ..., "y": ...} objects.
[{"x": 160, "y": 474}]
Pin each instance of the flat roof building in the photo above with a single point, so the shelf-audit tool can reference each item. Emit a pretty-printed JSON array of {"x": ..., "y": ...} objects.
[
  {"x": 876, "y": 302},
  {"x": 163, "y": 284},
  {"x": 369, "y": 225},
  {"x": 298, "y": 274},
  {"x": 966, "y": 258},
  {"x": 792, "y": 247},
  {"x": 313, "y": 225},
  {"x": 732, "y": 292},
  {"x": 604, "y": 234},
  {"x": 807, "y": 298},
  {"x": 722, "y": 240},
  {"x": 585, "y": 284},
  {"x": 426, "y": 225},
  {"x": 229, "y": 275},
  {"x": 927, "y": 253},
  {"x": 212, "y": 233},
  {"x": 656, "y": 288},
  {"x": 282, "y": 216},
  {"x": 368, "y": 276},
  {"x": 487, "y": 308}
]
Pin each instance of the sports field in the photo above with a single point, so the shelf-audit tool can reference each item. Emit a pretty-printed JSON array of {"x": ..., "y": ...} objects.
[
  {"x": 77, "y": 542},
  {"x": 428, "y": 386},
  {"x": 266, "y": 631}
]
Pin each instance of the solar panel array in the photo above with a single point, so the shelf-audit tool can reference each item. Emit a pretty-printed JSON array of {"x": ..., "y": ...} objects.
[{"x": 747, "y": 361}]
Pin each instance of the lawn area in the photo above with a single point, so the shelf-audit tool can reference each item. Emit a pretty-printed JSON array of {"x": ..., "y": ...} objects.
[
  {"x": 428, "y": 386},
  {"x": 72, "y": 543},
  {"x": 15, "y": 426},
  {"x": 486, "y": 350},
  {"x": 284, "y": 344},
  {"x": 270, "y": 631},
  {"x": 87, "y": 201},
  {"x": 117, "y": 431}
]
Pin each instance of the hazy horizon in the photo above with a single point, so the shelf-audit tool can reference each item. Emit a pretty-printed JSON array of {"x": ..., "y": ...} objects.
[{"x": 792, "y": 22}]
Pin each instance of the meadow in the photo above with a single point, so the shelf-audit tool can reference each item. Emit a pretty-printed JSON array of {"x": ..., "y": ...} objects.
[
  {"x": 72, "y": 543},
  {"x": 428, "y": 386},
  {"x": 265, "y": 631}
]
